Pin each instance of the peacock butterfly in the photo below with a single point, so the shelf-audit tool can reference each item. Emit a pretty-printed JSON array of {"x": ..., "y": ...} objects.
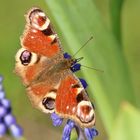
[{"x": 50, "y": 83}]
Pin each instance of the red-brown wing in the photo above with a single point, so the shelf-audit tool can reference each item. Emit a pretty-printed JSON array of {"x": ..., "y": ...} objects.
[
  {"x": 72, "y": 102},
  {"x": 39, "y": 36},
  {"x": 39, "y": 45},
  {"x": 40, "y": 50}
]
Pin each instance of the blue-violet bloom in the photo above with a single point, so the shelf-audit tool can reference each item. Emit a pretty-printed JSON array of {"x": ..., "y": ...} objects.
[{"x": 7, "y": 120}]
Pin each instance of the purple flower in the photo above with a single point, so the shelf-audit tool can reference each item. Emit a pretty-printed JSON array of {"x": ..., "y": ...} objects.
[
  {"x": 7, "y": 120},
  {"x": 67, "y": 56},
  {"x": 57, "y": 121},
  {"x": 76, "y": 67},
  {"x": 3, "y": 129},
  {"x": 2, "y": 111},
  {"x": 6, "y": 103},
  {"x": 67, "y": 130},
  {"x": 2, "y": 94},
  {"x": 84, "y": 83},
  {"x": 16, "y": 130},
  {"x": 90, "y": 133}
]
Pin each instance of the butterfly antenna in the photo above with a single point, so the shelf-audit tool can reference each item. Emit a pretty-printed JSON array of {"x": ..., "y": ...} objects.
[
  {"x": 79, "y": 59},
  {"x": 92, "y": 68},
  {"x": 83, "y": 46}
]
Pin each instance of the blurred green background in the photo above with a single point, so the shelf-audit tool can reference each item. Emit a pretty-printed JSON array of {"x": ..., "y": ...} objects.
[{"x": 115, "y": 26}]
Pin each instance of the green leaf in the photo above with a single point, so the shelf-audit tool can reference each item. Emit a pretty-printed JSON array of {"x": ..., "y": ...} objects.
[
  {"x": 76, "y": 21},
  {"x": 127, "y": 125},
  {"x": 116, "y": 16}
]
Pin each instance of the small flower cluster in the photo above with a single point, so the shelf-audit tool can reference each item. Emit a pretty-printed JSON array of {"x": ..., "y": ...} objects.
[
  {"x": 7, "y": 120},
  {"x": 89, "y": 133}
]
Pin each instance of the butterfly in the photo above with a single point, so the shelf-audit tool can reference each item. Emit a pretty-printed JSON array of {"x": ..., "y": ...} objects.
[{"x": 51, "y": 85}]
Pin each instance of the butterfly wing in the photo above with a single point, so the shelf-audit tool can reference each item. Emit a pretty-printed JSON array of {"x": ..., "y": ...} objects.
[
  {"x": 39, "y": 52},
  {"x": 72, "y": 101}
]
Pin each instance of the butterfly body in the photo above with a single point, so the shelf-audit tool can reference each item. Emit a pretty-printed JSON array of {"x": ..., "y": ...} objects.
[{"x": 51, "y": 85}]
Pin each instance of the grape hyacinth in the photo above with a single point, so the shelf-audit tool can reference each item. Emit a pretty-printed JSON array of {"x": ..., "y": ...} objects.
[
  {"x": 7, "y": 120},
  {"x": 83, "y": 134}
]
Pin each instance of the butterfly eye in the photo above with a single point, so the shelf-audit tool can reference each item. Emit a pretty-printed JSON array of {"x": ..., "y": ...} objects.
[
  {"x": 26, "y": 57},
  {"x": 38, "y": 19}
]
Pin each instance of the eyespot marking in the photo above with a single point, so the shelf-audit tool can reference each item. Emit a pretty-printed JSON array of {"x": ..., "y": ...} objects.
[
  {"x": 85, "y": 112},
  {"x": 49, "y": 101},
  {"x": 38, "y": 19},
  {"x": 25, "y": 57}
]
